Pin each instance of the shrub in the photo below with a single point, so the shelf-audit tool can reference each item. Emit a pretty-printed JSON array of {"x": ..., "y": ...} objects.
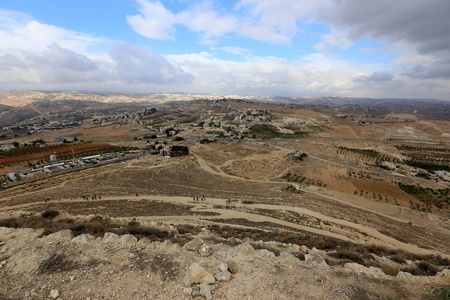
[
  {"x": 441, "y": 293},
  {"x": 398, "y": 259},
  {"x": 389, "y": 270},
  {"x": 56, "y": 262},
  {"x": 49, "y": 214}
]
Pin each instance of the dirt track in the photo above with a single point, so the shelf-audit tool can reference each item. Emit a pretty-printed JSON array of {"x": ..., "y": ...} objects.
[{"x": 361, "y": 234}]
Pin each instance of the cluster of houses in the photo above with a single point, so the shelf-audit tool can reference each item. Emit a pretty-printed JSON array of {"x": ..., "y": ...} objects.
[
  {"x": 437, "y": 175},
  {"x": 55, "y": 165},
  {"x": 363, "y": 119},
  {"x": 49, "y": 122}
]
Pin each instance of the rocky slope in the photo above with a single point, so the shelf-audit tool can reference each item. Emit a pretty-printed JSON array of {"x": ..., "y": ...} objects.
[{"x": 61, "y": 266}]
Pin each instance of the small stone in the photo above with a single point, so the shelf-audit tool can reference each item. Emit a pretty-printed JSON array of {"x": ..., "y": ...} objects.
[
  {"x": 194, "y": 245},
  {"x": 444, "y": 273},
  {"x": 54, "y": 294},
  {"x": 187, "y": 291},
  {"x": 197, "y": 274},
  {"x": 232, "y": 267},
  {"x": 223, "y": 276},
  {"x": 206, "y": 250},
  {"x": 63, "y": 235},
  {"x": 316, "y": 260},
  {"x": 286, "y": 254},
  {"x": 206, "y": 290},
  {"x": 223, "y": 267}
]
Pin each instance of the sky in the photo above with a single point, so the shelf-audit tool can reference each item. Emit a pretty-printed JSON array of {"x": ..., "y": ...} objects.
[{"x": 346, "y": 48}]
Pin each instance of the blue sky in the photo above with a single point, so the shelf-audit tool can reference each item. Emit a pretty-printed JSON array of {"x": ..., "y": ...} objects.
[{"x": 348, "y": 48}]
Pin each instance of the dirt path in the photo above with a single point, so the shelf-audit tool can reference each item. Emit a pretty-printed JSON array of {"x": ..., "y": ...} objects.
[
  {"x": 205, "y": 166},
  {"x": 369, "y": 235},
  {"x": 217, "y": 171}
]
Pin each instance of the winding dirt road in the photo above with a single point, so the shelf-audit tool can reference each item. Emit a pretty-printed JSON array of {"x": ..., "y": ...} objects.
[{"x": 340, "y": 229}]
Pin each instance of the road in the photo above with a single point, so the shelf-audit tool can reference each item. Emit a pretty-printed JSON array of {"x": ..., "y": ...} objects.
[
  {"x": 358, "y": 168},
  {"x": 194, "y": 138}
]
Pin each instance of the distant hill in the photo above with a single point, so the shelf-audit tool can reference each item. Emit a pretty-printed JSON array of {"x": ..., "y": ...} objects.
[
  {"x": 433, "y": 108},
  {"x": 34, "y": 109},
  {"x": 4, "y": 108}
]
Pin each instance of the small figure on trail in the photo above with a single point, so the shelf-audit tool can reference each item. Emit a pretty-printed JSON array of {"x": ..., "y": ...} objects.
[
  {"x": 100, "y": 197},
  {"x": 59, "y": 199},
  {"x": 228, "y": 202},
  {"x": 197, "y": 198},
  {"x": 136, "y": 194},
  {"x": 45, "y": 200},
  {"x": 193, "y": 198}
]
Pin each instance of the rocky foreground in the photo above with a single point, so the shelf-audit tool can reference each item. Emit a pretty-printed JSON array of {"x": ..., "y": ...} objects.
[{"x": 61, "y": 266}]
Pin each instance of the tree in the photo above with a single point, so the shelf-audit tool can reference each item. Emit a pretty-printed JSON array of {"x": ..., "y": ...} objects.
[
  {"x": 179, "y": 150},
  {"x": 75, "y": 139},
  {"x": 15, "y": 144}
]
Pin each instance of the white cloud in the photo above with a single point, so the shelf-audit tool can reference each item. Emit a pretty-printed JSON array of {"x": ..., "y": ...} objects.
[
  {"x": 139, "y": 65},
  {"x": 324, "y": 48},
  {"x": 155, "y": 21},
  {"x": 338, "y": 38},
  {"x": 375, "y": 77},
  {"x": 21, "y": 31},
  {"x": 233, "y": 50}
]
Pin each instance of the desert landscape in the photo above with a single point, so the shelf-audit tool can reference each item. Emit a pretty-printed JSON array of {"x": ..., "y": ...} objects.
[{"x": 210, "y": 198}]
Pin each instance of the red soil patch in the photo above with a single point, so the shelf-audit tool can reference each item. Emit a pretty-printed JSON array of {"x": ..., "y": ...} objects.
[{"x": 46, "y": 153}]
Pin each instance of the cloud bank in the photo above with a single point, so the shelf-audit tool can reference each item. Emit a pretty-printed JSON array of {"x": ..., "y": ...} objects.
[{"x": 43, "y": 56}]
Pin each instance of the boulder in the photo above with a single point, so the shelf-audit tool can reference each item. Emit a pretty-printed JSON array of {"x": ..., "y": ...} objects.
[
  {"x": 244, "y": 249},
  {"x": 128, "y": 239},
  {"x": 194, "y": 245},
  {"x": 403, "y": 275},
  {"x": 197, "y": 274},
  {"x": 110, "y": 237},
  {"x": 61, "y": 235},
  {"x": 264, "y": 253},
  {"x": 82, "y": 239},
  {"x": 354, "y": 267},
  {"x": 316, "y": 260}
]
